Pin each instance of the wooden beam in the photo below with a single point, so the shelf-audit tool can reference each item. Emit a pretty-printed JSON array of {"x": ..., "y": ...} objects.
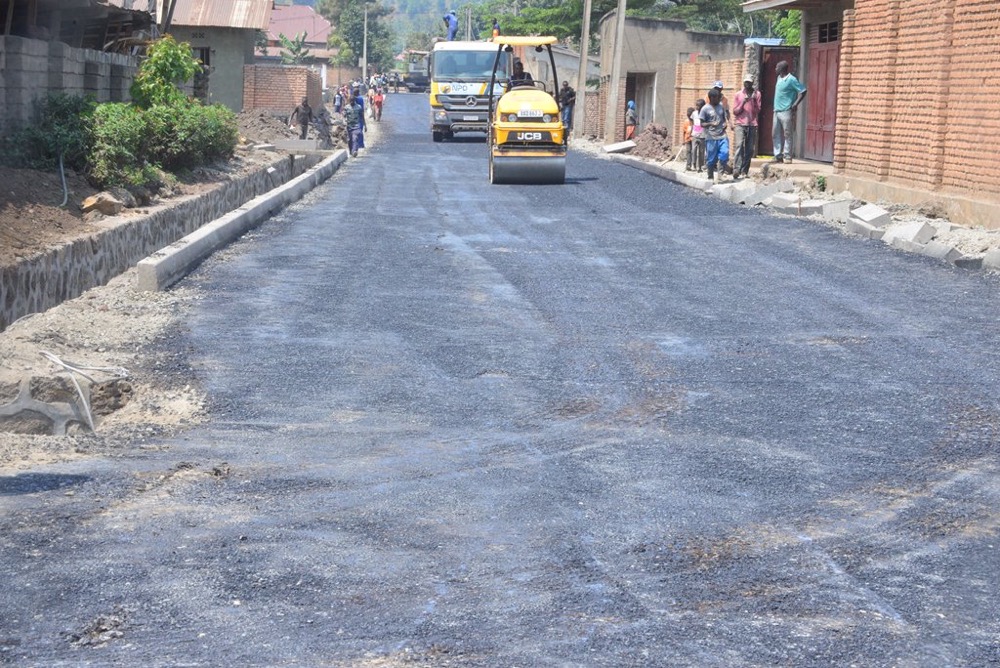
[{"x": 10, "y": 17}]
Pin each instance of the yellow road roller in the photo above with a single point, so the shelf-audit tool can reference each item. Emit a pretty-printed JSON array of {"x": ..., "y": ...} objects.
[{"x": 526, "y": 137}]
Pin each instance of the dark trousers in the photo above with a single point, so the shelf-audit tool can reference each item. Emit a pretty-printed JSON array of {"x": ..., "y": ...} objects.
[
  {"x": 355, "y": 140},
  {"x": 304, "y": 130},
  {"x": 746, "y": 142}
]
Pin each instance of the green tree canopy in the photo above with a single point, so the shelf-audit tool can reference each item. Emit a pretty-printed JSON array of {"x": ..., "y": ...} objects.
[
  {"x": 167, "y": 64},
  {"x": 294, "y": 51},
  {"x": 349, "y": 32}
]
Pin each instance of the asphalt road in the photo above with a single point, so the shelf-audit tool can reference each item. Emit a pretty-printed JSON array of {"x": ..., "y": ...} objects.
[{"x": 609, "y": 423}]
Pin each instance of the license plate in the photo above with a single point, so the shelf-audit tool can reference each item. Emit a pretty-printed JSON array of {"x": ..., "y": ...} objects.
[
  {"x": 470, "y": 118},
  {"x": 531, "y": 136}
]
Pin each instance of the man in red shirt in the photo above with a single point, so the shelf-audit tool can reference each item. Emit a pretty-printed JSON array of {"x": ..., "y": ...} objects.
[{"x": 745, "y": 112}]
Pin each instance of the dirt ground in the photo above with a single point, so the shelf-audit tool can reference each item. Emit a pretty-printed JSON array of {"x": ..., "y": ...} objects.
[{"x": 110, "y": 326}]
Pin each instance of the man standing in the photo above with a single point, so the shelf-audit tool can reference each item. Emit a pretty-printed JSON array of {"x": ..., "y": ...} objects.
[
  {"x": 302, "y": 115},
  {"x": 354, "y": 118},
  {"x": 788, "y": 94},
  {"x": 745, "y": 113},
  {"x": 451, "y": 22},
  {"x": 567, "y": 100},
  {"x": 713, "y": 120}
]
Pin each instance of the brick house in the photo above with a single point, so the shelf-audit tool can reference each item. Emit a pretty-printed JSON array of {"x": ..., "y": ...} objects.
[
  {"x": 906, "y": 72},
  {"x": 294, "y": 20},
  {"x": 650, "y": 51}
]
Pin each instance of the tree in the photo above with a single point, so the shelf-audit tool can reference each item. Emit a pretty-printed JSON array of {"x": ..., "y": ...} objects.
[
  {"x": 350, "y": 34},
  {"x": 723, "y": 16},
  {"x": 260, "y": 42},
  {"x": 167, "y": 64},
  {"x": 294, "y": 50},
  {"x": 790, "y": 28},
  {"x": 547, "y": 17},
  {"x": 418, "y": 41}
]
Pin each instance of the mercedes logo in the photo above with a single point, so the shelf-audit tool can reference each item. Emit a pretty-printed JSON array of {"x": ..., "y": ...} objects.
[{"x": 470, "y": 101}]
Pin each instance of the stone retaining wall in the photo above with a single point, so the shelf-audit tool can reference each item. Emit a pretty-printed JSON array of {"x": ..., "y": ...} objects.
[{"x": 47, "y": 280}]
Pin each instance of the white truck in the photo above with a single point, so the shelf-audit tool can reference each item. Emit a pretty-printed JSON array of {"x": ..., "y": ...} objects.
[{"x": 460, "y": 78}]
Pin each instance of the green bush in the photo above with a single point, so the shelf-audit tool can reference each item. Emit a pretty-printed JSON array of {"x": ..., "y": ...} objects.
[
  {"x": 119, "y": 154},
  {"x": 63, "y": 128},
  {"x": 188, "y": 134},
  {"x": 130, "y": 144}
]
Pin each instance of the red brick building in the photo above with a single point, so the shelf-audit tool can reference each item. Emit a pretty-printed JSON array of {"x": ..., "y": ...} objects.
[{"x": 913, "y": 99}]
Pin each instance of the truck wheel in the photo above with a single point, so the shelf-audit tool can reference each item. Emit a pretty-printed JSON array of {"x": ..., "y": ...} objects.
[{"x": 437, "y": 136}]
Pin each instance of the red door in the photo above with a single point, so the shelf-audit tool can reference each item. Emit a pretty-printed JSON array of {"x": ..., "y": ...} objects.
[
  {"x": 821, "y": 103},
  {"x": 769, "y": 59}
]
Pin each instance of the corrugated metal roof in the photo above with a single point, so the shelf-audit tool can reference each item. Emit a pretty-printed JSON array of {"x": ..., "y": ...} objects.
[
  {"x": 296, "y": 19},
  {"x": 253, "y": 14}
]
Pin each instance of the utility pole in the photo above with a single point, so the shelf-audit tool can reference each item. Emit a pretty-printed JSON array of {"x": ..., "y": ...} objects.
[
  {"x": 613, "y": 112},
  {"x": 364, "y": 51},
  {"x": 580, "y": 107}
]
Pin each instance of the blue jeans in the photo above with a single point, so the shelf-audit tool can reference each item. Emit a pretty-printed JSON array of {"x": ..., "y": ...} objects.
[
  {"x": 718, "y": 151},
  {"x": 567, "y": 116}
]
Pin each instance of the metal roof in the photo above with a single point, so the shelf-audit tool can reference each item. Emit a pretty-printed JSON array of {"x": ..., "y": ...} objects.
[
  {"x": 294, "y": 20},
  {"x": 250, "y": 14}
]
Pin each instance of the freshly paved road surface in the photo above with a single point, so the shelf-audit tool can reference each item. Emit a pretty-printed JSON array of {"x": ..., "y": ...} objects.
[{"x": 610, "y": 423}]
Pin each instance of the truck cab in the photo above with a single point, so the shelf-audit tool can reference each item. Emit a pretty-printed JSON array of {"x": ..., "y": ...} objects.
[{"x": 459, "y": 86}]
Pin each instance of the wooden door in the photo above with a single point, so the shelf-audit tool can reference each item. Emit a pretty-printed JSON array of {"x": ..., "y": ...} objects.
[
  {"x": 770, "y": 57},
  {"x": 821, "y": 102}
]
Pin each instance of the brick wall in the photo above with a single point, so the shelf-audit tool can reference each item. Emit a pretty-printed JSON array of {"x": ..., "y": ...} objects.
[
  {"x": 30, "y": 69},
  {"x": 915, "y": 94},
  {"x": 278, "y": 88},
  {"x": 693, "y": 80}
]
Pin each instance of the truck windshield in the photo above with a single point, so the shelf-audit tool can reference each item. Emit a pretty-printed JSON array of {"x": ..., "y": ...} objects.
[{"x": 468, "y": 65}]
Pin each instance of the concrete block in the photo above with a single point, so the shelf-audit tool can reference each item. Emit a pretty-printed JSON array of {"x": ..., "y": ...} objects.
[
  {"x": 837, "y": 210},
  {"x": 872, "y": 215},
  {"x": 743, "y": 190},
  {"x": 992, "y": 260},
  {"x": 620, "y": 147},
  {"x": 811, "y": 207},
  {"x": 942, "y": 251},
  {"x": 969, "y": 262},
  {"x": 943, "y": 226},
  {"x": 784, "y": 203},
  {"x": 904, "y": 244},
  {"x": 724, "y": 191},
  {"x": 855, "y": 226},
  {"x": 297, "y": 144},
  {"x": 916, "y": 232},
  {"x": 769, "y": 190}
]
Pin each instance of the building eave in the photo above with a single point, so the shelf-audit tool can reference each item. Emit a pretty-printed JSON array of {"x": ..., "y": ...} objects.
[{"x": 761, "y": 5}]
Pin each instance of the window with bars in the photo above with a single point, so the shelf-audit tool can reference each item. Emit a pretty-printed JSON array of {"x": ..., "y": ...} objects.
[{"x": 828, "y": 32}]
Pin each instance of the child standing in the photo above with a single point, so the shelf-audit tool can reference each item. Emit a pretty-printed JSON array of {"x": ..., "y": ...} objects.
[
  {"x": 688, "y": 141},
  {"x": 698, "y": 137}
]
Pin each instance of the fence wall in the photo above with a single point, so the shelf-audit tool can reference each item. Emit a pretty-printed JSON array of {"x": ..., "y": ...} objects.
[
  {"x": 278, "y": 88},
  {"x": 30, "y": 69}
]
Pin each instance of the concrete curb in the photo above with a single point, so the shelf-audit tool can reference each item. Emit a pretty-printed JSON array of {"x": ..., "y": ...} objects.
[
  {"x": 168, "y": 265},
  {"x": 697, "y": 182},
  {"x": 868, "y": 221}
]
